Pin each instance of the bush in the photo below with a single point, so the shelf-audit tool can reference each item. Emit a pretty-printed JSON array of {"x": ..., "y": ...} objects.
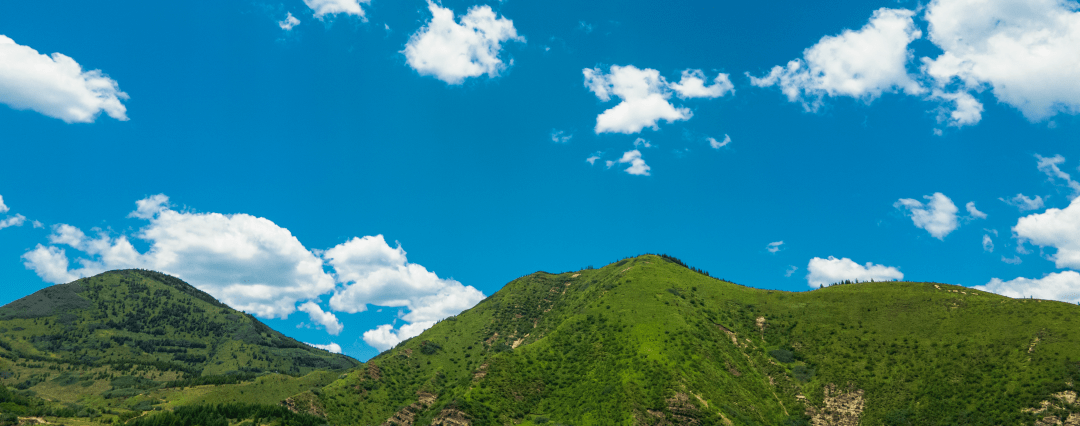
[{"x": 783, "y": 355}]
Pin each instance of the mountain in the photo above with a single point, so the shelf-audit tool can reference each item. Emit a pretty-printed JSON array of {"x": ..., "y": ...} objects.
[
  {"x": 124, "y": 341},
  {"x": 649, "y": 341},
  {"x": 642, "y": 341}
]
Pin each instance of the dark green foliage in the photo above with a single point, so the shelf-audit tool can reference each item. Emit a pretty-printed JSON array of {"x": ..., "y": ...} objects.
[
  {"x": 153, "y": 324},
  {"x": 783, "y": 355},
  {"x": 226, "y": 414},
  {"x": 47, "y": 302}
]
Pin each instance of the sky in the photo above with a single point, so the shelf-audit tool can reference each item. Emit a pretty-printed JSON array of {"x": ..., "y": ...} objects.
[{"x": 352, "y": 172}]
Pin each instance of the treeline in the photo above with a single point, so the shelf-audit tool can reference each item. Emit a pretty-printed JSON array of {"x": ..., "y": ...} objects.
[{"x": 226, "y": 414}]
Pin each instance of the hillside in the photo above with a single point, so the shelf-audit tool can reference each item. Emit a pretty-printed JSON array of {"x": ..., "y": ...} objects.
[
  {"x": 127, "y": 341},
  {"x": 648, "y": 341}
]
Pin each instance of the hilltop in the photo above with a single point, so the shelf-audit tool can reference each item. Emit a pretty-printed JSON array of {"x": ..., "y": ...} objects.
[{"x": 108, "y": 343}]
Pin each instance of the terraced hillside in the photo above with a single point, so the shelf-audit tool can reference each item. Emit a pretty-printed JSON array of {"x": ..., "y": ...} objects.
[
  {"x": 648, "y": 341},
  {"x": 126, "y": 341}
]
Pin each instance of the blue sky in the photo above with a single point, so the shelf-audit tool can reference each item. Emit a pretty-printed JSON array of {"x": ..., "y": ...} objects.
[{"x": 353, "y": 171}]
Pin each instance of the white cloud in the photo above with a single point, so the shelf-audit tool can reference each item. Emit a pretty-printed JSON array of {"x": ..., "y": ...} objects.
[
  {"x": 642, "y": 143},
  {"x": 692, "y": 85},
  {"x": 289, "y": 22},
  {"x": 559, "y": 136},
  {"x": 774, "y": 247},
  {"x": 861, "y": 64},
  {"x": 333, "y": 348},
  {"x": 966, "y": 109},
  {"x": 254, "y": 265},
  {"x": 247, "y": 262},
  {"x": 1023, "y": 50},
  {"x": 637, "y": 165},
  {"x": 38, "y": 224},
  {"x": 56, "y": 85},
  {"x": 50, "y": 263},
  {"x": 644, "y": 95},
  {"x": 1024, "y": 203},
  {"x": 592, "y": 158},
  {"x": 1015, "y": 260},
  {"x": 1058, "y": 228},
  {"x": 715, "y": 144},
  {"x": 385, "y": 336},
  {"x": 3, "y": 207},
  {"x": 973, "y": 212},
  {"x": 1049, "y": 165},
  {"x": 988, "y": 243},
  {"x": 375, "y": 273},
  {"x": 833, "y": 270},
  {"x": 16, "y": 220},
  {"x": 938, "y": 216},
  {"x": 452, "y": 52},
  {"x": 1063, "y": 286},
  {"x": 334, "y": 7},
  {"x": 327, "y": 319}
]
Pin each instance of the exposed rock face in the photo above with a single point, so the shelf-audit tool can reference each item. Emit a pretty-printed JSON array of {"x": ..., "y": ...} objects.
[
  {"x": 1060, "y": 400},
  {"x": 407, "y": 416},
  {"x": 841, "y": 408},
  {"x": 305, "y": 403},
  {"x": 451, "y": 417}
]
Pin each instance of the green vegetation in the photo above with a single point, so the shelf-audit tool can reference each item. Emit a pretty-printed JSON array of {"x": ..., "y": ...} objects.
[
  {"x": 228, "y": 414},
  {"x": 643, "y": 341},
  {"x": 129, "y": 341},
  {"x": 648, "y": 340}
]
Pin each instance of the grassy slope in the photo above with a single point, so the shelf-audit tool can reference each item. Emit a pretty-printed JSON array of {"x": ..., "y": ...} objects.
[
  {"x": 109, "y": 343},
  {"x": 641, "y": 341}
]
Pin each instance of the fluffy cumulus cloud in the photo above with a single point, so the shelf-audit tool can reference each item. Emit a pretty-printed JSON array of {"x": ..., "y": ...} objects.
[
  {"x": 1057, "y": 228},
  {"x": 322, "y": 8},
  {"x": 254, "y": 265},
  {"x": 988, "y": 243},
  {"x": 453, "y": 51},
  {"x": 833, "y": 270},
  {"x": 327, "y": 319},
  {"x": 937, "y": 216},
  {"x": 1024, "y": 203},
  {"x": 693, "y": 85},
  {"x": 373, "y": 273},
  {"x": 1063, "y": 286},
  {"x": 861, "y": 64},
  {"x": 774, "y": 247},
  {"x": 645, "y": 95},
  {"x": 56, "y": 85},
  {"x": 248, "y": 262},
  {"x": 3, "y": 207},
  {"x": 386, "y": 336},
  {"x": 1023, "y": 50},
  {"x": 637, "y": 164},
  {"x": 289, "y": 22},
  {"x": 333, "y": 348},
  {"x": 13, "y": 220}
]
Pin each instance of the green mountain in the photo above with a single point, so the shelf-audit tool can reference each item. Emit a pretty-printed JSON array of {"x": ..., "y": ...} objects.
[
  {"x": 648, "y": 341},
  {"x": 643, "y": 341},
  {"x": 126, "y": 341}
]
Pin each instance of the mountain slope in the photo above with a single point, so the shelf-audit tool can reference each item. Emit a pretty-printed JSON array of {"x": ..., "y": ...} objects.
[
  {"x": 649, "y": 341},
  {"x": 102, "y": 341}
]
